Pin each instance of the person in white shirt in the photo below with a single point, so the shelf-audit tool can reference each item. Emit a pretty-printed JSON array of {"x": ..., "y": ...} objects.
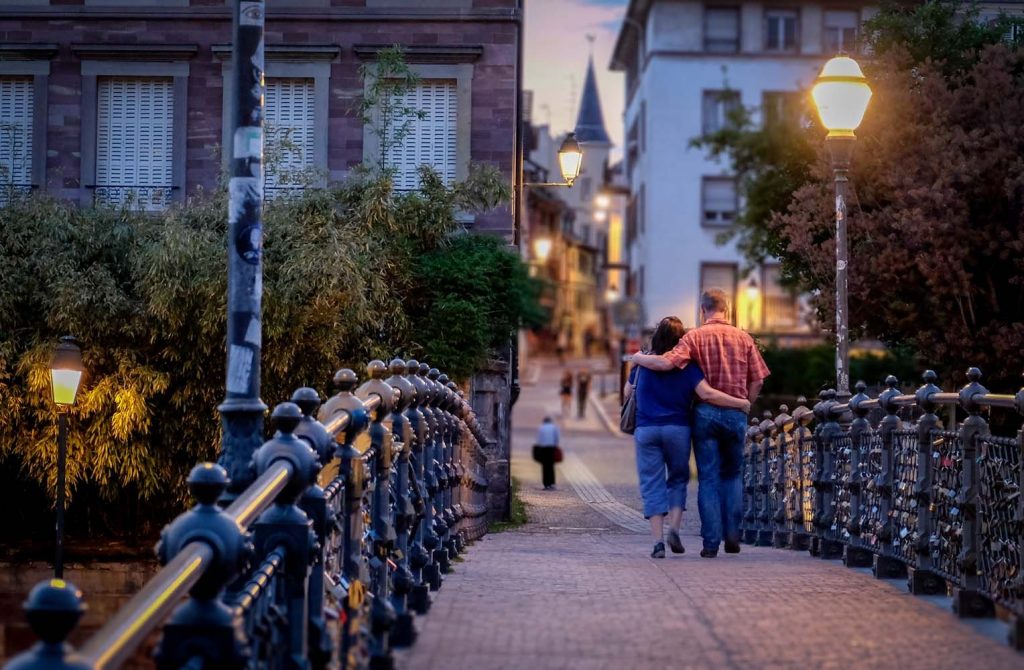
[{"x": 544, "y": 451}]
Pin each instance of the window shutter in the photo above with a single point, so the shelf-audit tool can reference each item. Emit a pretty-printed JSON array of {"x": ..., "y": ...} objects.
[
  {"x": 135, "y": 141},
  {"x": 290, "y": 123},
  {"x": 719, "y": 201},
  {"x": 16, "y": 107},
  {"x": 431, "y": 140}
]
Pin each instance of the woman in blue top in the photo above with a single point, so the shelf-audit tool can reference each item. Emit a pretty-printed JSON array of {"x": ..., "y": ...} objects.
[{"x": 663, "y": 404}]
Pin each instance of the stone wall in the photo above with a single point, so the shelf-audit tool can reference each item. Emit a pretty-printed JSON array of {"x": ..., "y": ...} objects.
[{"x": 491, "y": 400}]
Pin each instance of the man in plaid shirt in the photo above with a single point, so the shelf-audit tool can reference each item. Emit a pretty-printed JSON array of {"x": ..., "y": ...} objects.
[{"x": 733, "y": 365}]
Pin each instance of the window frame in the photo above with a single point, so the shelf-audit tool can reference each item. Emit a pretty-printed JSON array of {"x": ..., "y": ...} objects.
[
  {"x": 791, "y": 295},
  {"x": 92, "y": 70},
  {"x": 723, "y": 97},
  {"x": 825, "y": 27},
  {"x": 734, "y": 268},
  {"x": 778, "y": 12},
  {"x": 703, "y": 202},
  {"x": 735, "y": 9},
  {"x": 39, "y": 71}
]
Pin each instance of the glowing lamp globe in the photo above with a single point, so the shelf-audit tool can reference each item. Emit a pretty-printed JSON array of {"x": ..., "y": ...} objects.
[
  {"x": 66, "y": 372},
  {"x": 841, "y": 95},
  {"x": 542, "y": 248},
  {"x": 570, "y": 158}
]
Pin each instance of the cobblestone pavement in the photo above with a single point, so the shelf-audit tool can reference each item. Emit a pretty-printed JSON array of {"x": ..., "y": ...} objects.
[{"x": 574, "y": 588}]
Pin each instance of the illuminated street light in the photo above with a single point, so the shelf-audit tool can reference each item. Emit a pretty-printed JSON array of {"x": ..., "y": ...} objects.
[
  {"x": 570, "y": 158},
  {"x": 602, "y": 201},
  {"x": 542, "y": 248},
  {"x": 65, "y": 377},
  {"x": 600, "y": 215}
]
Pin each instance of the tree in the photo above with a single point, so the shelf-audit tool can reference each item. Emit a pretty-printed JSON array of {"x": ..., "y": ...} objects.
[{"x": 936, "y": 215}]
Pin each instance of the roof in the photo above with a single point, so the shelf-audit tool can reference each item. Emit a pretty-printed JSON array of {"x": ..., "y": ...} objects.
[
  {"x": 630, "y": 32},
  {"x": 590, "y": 122}
]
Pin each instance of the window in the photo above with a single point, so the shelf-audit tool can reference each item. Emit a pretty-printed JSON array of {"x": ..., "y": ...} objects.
[
  {"x": 780, "y": 107},
  {"x": 840, "y": 32},
  {"x": 134, "y": 141},
  {"x": 16, "y": 115},
  {"x": 780, "y": 30},
  {"x": 431, "y": 140},
  {"x": 289, "y": 133},
  {"x": 780, "y": 304},
  {"x": 718, "y": 199},
  {"x": 716, "y": 108},
  {"x": 721, "y": 276},
  {"x": 721, "y": 30}
]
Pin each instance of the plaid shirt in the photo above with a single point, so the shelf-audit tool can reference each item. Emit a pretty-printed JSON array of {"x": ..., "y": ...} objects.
[{"x": 727, "y": 355}]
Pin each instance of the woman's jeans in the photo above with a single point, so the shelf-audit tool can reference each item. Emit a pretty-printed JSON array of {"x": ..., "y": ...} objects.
[
  {"x": 663, "y": 463},
  {"x": 718, "y": 448}
]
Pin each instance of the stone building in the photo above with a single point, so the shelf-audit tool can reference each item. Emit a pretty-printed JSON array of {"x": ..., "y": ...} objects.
[{"x": 126, "y": 101}]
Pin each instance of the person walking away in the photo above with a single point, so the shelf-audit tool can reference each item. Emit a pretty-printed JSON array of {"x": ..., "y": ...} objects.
[
  {"x": 733, "y": 365},
  {"x": 664, "y": 404},
  {"x": 547, "y": 441},
  {"x": 582, "y": 389},
  {"x": 565, "y": 393}
]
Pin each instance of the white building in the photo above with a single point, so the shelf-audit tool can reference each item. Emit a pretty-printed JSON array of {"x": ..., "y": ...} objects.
[{"x": 679, "y": 57}]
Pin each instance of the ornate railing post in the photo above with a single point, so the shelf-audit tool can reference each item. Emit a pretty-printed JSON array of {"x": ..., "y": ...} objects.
[
  {"x": 204, "y": 627},
  {"x": 783, "y": 516},
  {"x": 53, "y": 609},
  {"x": 405, "y": 515},
  {"x": 921, "y": 578},
  {"x": 765, "y": 485},
  {"x": 969, "y": 600},
  {"x": 382, "y": 536},
  {"x": 887, "y": 566},
  {"x": 284, "y": 527},
  {"x": 441, "y": 556},
  {"x": 451, "y": 464},
  {"x": 419, "y": 557},
  {"x": 748, "y": 523},
  {"x": 855, "y": 555},
  {"x": 314, "y": 504},
  {"x": 803, "y": 439},
  {"x": 828, "y": 433},
  {"x": 431, "y": 541},
  {"x": 445, "y": 472}
]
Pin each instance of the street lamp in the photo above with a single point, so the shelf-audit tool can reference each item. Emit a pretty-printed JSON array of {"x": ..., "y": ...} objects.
[
  {"x": 612, "y": 294},
  {"x": 65, "y": 376},
  {"x": 841, "y": 95},
  {"x": 570, "y": 160},
  {"x": 602, "y": 201},
  {"x": 600, "y": 215},
  {"x": 753, "y": 294},
  {"x": 542, "y": 248}
]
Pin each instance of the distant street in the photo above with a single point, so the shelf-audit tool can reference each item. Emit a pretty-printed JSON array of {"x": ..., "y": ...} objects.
[{"x": 574, "y": 588}]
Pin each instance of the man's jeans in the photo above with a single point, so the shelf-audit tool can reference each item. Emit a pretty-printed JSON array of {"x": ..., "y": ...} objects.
[{"x": 718, "y": 435}]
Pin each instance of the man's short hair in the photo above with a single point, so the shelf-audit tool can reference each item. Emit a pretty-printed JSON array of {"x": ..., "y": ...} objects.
[{"x": 714, "y": 300}]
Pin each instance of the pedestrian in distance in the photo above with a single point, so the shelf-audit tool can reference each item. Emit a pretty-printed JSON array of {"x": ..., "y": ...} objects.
[
  {"x": 582, "y": 390},
  {"x": 565, "y": 393},
  {"x": 664, "y": 408},
  {"x": 732, "y": 364},
  {"x": 545, "y": 451}
]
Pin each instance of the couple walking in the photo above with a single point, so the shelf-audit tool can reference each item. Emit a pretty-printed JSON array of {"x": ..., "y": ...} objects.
[{"x": 720, "y": 365}]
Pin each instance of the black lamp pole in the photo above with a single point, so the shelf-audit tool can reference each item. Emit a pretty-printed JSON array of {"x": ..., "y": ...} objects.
[{"x": 62, "y": 456}]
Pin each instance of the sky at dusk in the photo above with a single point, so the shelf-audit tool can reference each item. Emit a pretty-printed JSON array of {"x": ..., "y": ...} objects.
[{"x": 556, "y": 60}]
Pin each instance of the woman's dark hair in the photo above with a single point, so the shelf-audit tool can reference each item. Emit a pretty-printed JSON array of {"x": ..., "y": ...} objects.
[{"x": 667, "y": 335}]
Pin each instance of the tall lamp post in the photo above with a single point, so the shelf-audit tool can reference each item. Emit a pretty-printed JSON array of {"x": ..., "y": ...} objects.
[
  {"x": 65, "y": 377},
  {"x": 841, "y": 94}
]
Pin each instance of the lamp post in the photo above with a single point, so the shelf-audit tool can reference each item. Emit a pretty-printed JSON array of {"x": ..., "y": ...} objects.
[
  {"x": 841, "y": 95},
  {"x": 65, "y": 376}
]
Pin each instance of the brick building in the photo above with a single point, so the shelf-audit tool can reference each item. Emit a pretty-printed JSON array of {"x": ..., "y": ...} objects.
[{"x": 115, "y": 98}]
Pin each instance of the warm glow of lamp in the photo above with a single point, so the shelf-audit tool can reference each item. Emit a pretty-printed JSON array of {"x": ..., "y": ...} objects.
[
  {"x": 612, "y": 293},
  {"x": 570, "y": 158},
  {"x": 542, "y": 248},
  {"x": 66, "y": 372},
  {"x": 602, "y": 201},
  {"x": 753, "y": 292},
  {"x": 841, "y": 95},
  {"x": 600, "y": 215}
]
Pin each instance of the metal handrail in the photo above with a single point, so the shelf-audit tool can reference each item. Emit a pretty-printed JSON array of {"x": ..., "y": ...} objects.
[
  {"x": 260, "y": 494},
  {"x": 113, "y": 644}
]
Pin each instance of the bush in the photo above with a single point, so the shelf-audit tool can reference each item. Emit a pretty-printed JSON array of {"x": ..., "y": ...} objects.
[{"x": 145, "y": 294}]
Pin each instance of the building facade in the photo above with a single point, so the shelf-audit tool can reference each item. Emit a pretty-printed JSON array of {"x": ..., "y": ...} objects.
[
  {"x": 686, "y": 64},
  {"x": 118, "y": 100}
]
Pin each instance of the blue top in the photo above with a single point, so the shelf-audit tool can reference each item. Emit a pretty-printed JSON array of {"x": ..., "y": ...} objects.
[{"x": 665, "y": 398}]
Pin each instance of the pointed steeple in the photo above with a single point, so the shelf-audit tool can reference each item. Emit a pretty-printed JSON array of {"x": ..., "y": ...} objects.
[{"x": 590, "y": 122}]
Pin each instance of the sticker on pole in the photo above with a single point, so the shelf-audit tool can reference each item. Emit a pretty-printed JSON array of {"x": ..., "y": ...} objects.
[
  {"x": 250, "y": 13},
  {"x": 248, "y": 142},
  {"x": 356, "y": 594}
]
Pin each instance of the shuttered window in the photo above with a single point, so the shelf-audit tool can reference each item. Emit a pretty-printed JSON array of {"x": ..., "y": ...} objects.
[
  {"x": 289, "y": 134},
  {"x": 722, "y": 29},
  {"x": 719, "y": 201},
  {"x": 721, "y": 276},
  {"x": 134, "y": 141},
  {"x": 840, "y": 31},
  {"x": 16, "y": 107},
  {"x": 431, "y": 140}
]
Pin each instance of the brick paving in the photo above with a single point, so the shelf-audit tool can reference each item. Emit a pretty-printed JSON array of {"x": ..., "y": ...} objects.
[{"x": 575, "y": 589}]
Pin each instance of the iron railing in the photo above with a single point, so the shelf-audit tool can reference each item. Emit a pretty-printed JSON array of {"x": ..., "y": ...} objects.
[
  {"x": 324, "y": 560},
  {"x": 940, "y": 506}
]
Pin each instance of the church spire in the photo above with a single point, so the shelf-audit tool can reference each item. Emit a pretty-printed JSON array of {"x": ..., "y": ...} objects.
[{"x": 590, "y": 122}]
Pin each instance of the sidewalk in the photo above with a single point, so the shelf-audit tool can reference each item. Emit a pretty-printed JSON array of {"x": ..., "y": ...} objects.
[{"x": 574, "y": 588}]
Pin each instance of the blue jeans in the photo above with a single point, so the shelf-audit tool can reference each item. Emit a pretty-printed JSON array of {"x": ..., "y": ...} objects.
[
  {"x": 718, "y": 448},
  {"x": 663, "y": 463}
]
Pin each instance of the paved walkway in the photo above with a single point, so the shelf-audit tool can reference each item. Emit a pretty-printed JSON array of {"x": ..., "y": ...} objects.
[{"x": 575, "y": 588}]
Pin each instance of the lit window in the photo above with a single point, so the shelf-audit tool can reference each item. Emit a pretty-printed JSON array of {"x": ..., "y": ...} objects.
[
  {"x": 719, "y": 201},
  {"x": 721, "y": 276},
  {"x": 780, "y": 304},
  {"x": 780, "y": 30},
  {"x": 134, "y": 141}
]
